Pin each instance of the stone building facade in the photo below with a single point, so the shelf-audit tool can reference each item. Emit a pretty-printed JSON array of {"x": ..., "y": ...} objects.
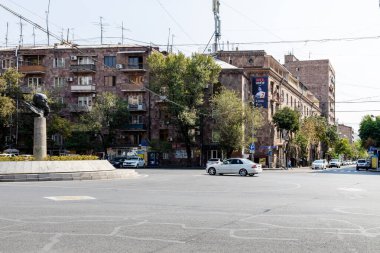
[
  {"x": 77, "y": 75},
  {"x": 346, "y": 132},
  {"x": 319, "y": 78},
  {"x": 278, "y": 89}
]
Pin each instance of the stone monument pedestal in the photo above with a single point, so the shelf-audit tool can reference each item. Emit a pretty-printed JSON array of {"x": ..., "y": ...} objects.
[{"x": 39, "y": 142}]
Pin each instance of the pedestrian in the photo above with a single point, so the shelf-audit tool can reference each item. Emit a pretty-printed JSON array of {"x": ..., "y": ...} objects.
[{"x": 289, "y": 164}]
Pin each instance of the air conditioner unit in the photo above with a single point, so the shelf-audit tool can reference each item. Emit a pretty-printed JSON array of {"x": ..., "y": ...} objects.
[
  {"x": 73, "y": 58},
  {"x": 119, "y": 66},
  {"x": 170, "y": 139},
  {"x": 70, "y": 79}
]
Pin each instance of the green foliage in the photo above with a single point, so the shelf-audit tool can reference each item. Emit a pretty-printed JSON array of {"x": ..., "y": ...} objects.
[
  {"x": 182, "y": 81},
  {"x": 369, "y": 131},
  {"x": 287, "y": 119},
  {"x": 59, "y": 125},
  {"x": 50, "y": 158},
  {"x": 342, "y": 147},
  {"x": 160, "y": 146},
  {"x": 9, "y": 89},
  {"x": 234, "y": 122}
]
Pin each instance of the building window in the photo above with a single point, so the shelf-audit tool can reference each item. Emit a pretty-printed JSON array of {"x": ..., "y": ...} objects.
[
  {"x": 6, "y": 63},
  {"x": 135, "y": 79},
  {"x": 85, "y": 101},
  {"x": 135, "y": 62},
  {"x": 34, "y": 82},
  {"x": 59, "y": 82},
  {"x": 110, "y": 81},
  {"x": 85, "y": 60},
  {"x": 135, "y": 99},
  {"x": 291, "y": 101},
  {"x": 136, "y": 119},
  {"x": 58, "y": 62},
  {"x": 84, "y": 80},
  {"x": 110, "y": 61},
  {"x": 287, "y": 99}
]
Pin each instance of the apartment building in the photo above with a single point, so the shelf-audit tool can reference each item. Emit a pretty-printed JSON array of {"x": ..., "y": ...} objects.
[
  {"x": 272, "y": 87},
  {"x": 346, "y": 132},
  {"x": 319, "y": 78},
  {"x": 78, "y": 75}
]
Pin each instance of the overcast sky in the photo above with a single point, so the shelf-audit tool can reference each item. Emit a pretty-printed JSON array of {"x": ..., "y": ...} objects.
[{"x": 244, "y": 24}]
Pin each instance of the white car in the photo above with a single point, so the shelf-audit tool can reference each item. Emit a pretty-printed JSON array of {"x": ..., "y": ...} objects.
[
  {"x": 213, "y": 160},
  {"x": 240, "y": 166},
  {"x": 319, "y": 164},
  {"x": 133, "y": 162}
]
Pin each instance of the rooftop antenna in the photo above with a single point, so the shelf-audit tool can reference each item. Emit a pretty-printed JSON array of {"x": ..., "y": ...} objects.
[
  {"x": 122, "y": 32},
  {"x": 101, "y": 24},
  {"x": 47, "y": 23},
  {"x": 167, "y": 47},
  {"x": 6, "y": 37},
  {"x": 34, "y": 38},
  {"x": 171, "y": 47},
  {"x": 215, "y": 8}
]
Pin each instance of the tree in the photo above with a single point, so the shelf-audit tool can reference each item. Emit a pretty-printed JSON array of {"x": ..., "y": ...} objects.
[
  {"x": 287, "y": 119},
  {"x": 9, "y": 90},
  {"x": 108, "y": 113},
  {"x": 233, "y": 120},
  {"x": 369, "y": 131},
  {"x": 182, "y": 80},
  {"x": 343, "y": 148},
  {"x": 61, "y": 126}
]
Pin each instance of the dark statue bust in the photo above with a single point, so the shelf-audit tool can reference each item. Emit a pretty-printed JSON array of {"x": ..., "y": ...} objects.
[
  {"x": 41, "y": 102},
  {"x": 40, "y": 105}
]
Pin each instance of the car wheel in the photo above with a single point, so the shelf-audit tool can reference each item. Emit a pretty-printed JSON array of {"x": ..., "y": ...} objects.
[
  {"x": 357, "y": 168},
  {"x": 243, "y": 172},
  {"x": 211, "y": 171}
]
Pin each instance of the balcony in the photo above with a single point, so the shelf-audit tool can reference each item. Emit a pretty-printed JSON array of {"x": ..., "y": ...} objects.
[
  {"x": 28, "y": 90},
  {"x": 79, "y": 108},
  {"x": 135, "y": 127},
  {"x": 131, "y": 67},
  {"x": 83, "y": 88},
  {"x": 132, "y": 87},
  {"x": 83, "y": 68},
  {"x": 32, "y": 69},
  {"x": 136, "y": 107}
]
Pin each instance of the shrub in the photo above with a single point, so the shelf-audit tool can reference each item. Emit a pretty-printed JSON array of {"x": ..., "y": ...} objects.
[{"x": 51, "y": 158}]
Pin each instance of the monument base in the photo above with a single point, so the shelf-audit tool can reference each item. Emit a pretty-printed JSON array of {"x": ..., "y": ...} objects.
[{"x": 39, "y": 141}]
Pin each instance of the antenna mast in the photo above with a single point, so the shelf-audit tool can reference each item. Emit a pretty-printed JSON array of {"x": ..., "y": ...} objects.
[
  {"x": 215, "y": 8},
  {"x": 6, "y": 37},
  {"x": 47, "y": 24}
]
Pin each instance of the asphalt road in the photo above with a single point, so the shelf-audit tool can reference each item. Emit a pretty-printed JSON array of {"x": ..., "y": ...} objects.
[{"x": 300, "y": 210}]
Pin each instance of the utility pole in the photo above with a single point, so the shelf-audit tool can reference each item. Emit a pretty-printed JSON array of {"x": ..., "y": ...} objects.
[
  {"x": 101, "y": 30},
  {"x": 215, "y": 8},
  {"x": 167, "y": 47},
  {"x": 47, "y": 24}
]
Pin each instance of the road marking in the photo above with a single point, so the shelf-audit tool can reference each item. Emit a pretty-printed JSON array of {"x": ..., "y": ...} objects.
[
  {"x": 351, "y": 189},
  {"x": 69, "y": 198}
]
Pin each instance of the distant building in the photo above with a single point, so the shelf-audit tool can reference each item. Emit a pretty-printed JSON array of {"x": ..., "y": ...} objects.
[
  {"x": 346, "y": 132},
  {"x": 319, "y": 77}
]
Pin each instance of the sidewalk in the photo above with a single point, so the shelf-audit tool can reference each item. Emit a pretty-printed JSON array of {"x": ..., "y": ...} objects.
[{"x": 290, "y": 169}]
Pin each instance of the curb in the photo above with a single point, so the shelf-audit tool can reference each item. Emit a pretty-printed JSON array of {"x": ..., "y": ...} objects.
[{"x": 98, "y": 175}]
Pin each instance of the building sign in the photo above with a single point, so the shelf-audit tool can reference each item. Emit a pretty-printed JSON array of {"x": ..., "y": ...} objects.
[{"x": 260, "y": 91}]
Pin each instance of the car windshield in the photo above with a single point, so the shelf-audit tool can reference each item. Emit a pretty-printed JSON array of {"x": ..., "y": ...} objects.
[
  {"x": 319, "y": 161},
  {"x": 214, "y": 160},
  {"x": 334, "y": 160},
  {"x": 362, "y": 161}
]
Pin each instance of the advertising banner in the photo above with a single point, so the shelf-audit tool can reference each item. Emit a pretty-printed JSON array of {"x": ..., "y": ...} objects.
[{"x": 260, "y": 91}]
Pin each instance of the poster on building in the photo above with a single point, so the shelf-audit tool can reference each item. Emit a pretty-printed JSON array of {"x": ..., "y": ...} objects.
[{"x": 260, "y": 91}]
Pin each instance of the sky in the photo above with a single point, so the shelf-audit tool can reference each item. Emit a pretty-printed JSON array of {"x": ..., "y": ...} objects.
[{"x": 303, "y": 28}]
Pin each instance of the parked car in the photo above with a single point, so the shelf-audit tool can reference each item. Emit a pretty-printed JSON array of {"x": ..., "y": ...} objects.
[
  {"x": 240, "y": 166},
  {"x": 134, "y": 162},
  {"x": 335, "y": 163},
  {"x": 117, "y": 162},
  {"x": 319, "y": 164},
  {"x": 362, "y": 164},
  {"x": 213, "y": 160}
]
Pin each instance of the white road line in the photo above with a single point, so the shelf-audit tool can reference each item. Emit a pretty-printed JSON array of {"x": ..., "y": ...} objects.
[{"x": 69, "y": 198}]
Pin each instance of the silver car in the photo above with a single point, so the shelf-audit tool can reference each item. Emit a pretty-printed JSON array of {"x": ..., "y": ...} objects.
[
  {"x": 319, "y": 164},
  {"x": 134, "y": 162}
]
